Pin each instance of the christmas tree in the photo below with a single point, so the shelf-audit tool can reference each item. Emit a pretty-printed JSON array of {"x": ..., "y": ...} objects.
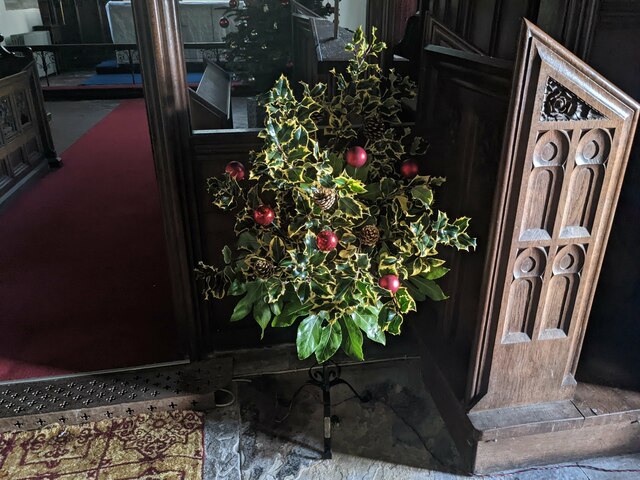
[
  {"x": 337, "y": 231},
  {"x": 259, "y": 50}
]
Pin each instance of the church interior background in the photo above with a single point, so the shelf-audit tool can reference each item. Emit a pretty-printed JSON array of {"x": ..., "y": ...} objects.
[{"x": 114, "y": 115}]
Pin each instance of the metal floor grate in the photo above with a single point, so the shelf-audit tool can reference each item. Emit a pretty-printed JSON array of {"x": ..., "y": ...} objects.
[{"x": 94, "y": 397}]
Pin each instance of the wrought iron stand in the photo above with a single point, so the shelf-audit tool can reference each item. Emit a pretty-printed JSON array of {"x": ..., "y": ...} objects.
[{"x": 325, "y": 377}]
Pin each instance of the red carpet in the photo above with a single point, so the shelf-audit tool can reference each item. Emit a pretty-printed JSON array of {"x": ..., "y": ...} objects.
[{"x": 84, "y": 282}]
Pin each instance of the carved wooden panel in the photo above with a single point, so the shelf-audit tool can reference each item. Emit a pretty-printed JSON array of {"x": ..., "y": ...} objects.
[
  {"x": 570, "y": 133},
  {"x": 21, "y": 131}
]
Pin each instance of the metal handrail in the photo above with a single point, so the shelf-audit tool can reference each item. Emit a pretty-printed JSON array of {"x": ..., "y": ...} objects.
[{"x": 44, "y": 61}]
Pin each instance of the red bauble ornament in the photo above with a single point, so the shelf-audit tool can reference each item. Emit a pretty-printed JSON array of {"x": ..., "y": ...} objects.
[
  {"x": 264, "y": 215},
  {"x": 235, "y": 170},
  {"x": 327, "y": 240},
  {"x": 390, "y": 282},
  {"x": 409, "y": 168},
  {"x": 233, "y": 3},
  {"x": 356, "y": 157},
  {"x": 224, "y": 22}
]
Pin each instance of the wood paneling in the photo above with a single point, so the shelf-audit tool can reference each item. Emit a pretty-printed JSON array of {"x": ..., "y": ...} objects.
[
  {"x": 462, "y": 112},
  {"x": 436, "y": 33},
  {"x": 493, "y": 25},
  {"x": 611, "y": 354}
]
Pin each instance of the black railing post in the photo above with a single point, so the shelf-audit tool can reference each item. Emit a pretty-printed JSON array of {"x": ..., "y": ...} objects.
[{"x": 131, "y": 66}]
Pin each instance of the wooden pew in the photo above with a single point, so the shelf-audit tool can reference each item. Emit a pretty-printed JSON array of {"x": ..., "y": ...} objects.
[{"x": 26, "y": 145}]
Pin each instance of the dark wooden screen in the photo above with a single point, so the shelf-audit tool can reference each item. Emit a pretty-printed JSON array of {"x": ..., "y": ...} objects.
[{"x": 463, "y": 110}]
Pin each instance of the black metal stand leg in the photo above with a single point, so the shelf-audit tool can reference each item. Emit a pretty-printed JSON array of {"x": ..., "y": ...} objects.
[
  {"x": 326, "y": 400},
  {"x": 325, "y": 379}
]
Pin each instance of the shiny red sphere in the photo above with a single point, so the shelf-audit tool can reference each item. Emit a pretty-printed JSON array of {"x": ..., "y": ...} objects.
[
  {"x": 224, "y": 22},
  {"x": 356, "y": 157},
  {"x": 390, "y": 282},
  {"x": 264, "y": 215},
  {"x": 233, "y": 3},
  {"x": 235, "y": 170},
  {"x": 409, "y": 168},
  {"x": 327, "y": 241}
]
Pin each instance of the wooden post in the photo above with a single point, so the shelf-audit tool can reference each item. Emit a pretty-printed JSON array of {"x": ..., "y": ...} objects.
[{"x": 164, "y": 78}]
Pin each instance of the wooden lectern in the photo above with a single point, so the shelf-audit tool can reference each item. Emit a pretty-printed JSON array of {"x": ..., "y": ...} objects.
[{"x": 211, "y": 101}]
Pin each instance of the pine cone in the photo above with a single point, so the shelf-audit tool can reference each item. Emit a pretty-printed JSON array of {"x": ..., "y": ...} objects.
[
  {"x": 369, "y": 235},
  {"x": 374, "y": 128},
  {"x": 264, "y": 268},
  {"x": 324, "y": 198}
]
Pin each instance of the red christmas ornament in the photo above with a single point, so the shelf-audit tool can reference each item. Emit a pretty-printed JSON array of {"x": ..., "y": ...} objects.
[
  {"x": 409, "y": 168},
  {"x": 327, "y": 240},
  {"x": 233, "y": 3},
  {"x": 356, "y": 157},
  {"x": 224, "y": 22},
  {"x": 390, "y": 282},
  {"x": 235, "y": 170},
  {"x": 264, "y": 215}
]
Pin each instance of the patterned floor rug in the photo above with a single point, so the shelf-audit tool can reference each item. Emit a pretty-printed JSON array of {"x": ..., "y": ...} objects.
[{"x": 161, "y": 446}]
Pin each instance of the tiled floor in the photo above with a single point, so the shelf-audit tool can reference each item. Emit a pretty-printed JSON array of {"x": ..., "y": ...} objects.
[{"x": 399, "y": 435}]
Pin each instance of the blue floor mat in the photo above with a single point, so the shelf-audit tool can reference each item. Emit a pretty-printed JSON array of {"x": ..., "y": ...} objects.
[
  {"x": 125, "y": 79},
  {"x": 108, "y": 64}
]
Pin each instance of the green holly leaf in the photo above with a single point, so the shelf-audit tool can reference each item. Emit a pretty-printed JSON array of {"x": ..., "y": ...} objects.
[
  {"x": 423, "y": 194},
  {"x": 248, "y": 241},
  {"x": 243, "y": 307},
  {"x": 437, "y": 272},
  {"x": 352, "y": 342},
  {"x": 308, "y": 336},
  {"x": 262, "y": 314},
  {"x": 226, "y": 254},
  {"x": 394, "y": 323},
  {"x": 350, "y": 207},
  {"x": 406, "y": 303},
  {"x": 275, "y": 289},
  {"x": 237, "y": 288},
  {"x": 430, "y": 288},
  {"x": 292, "y": 310},
  {"x": 368, "y": 323},
  {"x": 330, "y": 341}
]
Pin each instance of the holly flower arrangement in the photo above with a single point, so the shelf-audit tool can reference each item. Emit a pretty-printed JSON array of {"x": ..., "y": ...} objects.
[{"x": 337, "y": 232}]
